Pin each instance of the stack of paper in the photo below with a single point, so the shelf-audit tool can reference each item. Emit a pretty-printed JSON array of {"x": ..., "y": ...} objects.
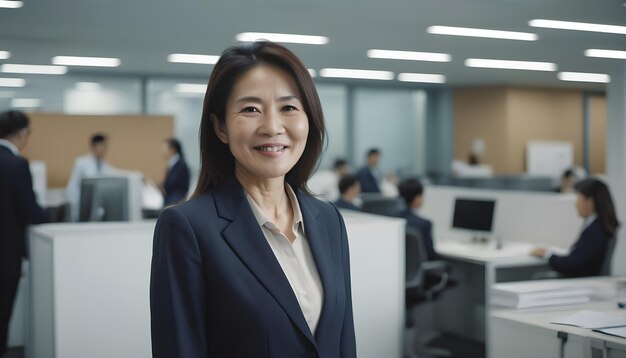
[
  {"x": 593, "y": 319},
  {"x": 539, "y": 293}
]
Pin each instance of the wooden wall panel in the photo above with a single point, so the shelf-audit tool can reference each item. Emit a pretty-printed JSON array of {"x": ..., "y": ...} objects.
[{"x": 135, "y": 142}]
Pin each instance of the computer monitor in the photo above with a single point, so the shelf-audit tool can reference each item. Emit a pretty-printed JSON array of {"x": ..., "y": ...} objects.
[
  {"x": 473, "y": 214},
  {"x": 104, "y": 199}
]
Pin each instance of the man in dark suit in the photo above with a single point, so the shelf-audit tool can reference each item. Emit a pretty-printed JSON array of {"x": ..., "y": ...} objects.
[
  {"x": 412, "y": 191},
  {"x": 370, "y": 176},
  {"x": 176, "y": 184},
  {"x": 18, "y": 209},
  {"x": 350, "y": 189}
]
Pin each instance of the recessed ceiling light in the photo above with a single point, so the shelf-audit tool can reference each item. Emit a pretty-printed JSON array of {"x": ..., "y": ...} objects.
[
  {"x": 191, "y": 58},
  {"x": 486, "y": 33},
  {"x": 11, "y": 4},
  {"x": 25, "y": 102},
  {"x": 12, "y": 82},
  {"x": 4, "y": 55},
  {"x": 88, "y": 86},
  {"x": 287, "y": 38},
  {"x": 409, "y": 55},
  {"x": 577, "y": 26},
  {"x": 510, "y": 65},
  {"x": 190, "y": 88},
  {"x": 86, "y": 61},
  {"x": 421, "y": 77},
  {"x": 33, "y": 69},
  {"x": 593, "y": 52},
  {"x": 584, "y": 77},
  {"x": 358, "y": 74},
  {"x": 312, "y": 72}
]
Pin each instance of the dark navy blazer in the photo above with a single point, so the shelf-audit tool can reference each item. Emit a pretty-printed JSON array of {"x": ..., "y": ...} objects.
[
  {"x": 217, "y": 289},
  {"x": 367, "y": 181},
  {"x": 176, "y": 184},
  {"x": 587, "y": 254},
  {"x": 425, "y": 227}
]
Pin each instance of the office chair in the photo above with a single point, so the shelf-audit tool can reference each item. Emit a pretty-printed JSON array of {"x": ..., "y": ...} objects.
[
  {"x": 381, "y": 205},
  {"x": 418, "y": 292}
]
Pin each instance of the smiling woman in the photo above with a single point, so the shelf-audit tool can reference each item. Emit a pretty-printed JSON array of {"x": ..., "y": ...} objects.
[{"x": 252, "y": 265}]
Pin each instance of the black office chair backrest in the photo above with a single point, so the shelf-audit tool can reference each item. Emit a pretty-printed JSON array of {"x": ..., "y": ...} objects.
[
  {"x": 415, "y": 255},
  {"x": 382, "y": 206},
  {"x": 605, "y": 270}
]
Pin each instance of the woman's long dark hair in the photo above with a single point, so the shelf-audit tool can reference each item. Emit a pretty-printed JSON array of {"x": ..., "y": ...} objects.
[
  {"x": 596, "y": 190},
  {"x": 217, "y": 163}
]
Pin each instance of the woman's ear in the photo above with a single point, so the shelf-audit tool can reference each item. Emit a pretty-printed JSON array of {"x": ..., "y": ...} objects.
[{"x": 219, "y": 129}]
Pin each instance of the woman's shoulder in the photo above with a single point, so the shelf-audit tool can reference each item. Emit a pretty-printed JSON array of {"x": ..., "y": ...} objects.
[{"x": 200, "y": 206}]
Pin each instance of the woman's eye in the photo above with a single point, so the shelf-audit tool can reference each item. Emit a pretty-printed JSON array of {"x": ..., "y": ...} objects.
[
  {"x": 249, "y": 110},
  {"x": 289, "y": 108}
]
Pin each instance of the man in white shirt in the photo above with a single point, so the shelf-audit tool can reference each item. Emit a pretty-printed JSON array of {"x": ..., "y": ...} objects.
[{"x": 92, "y": 164}]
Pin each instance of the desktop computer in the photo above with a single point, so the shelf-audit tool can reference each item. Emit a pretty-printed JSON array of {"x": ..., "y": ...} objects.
[
  {"x": 110, "y": 198},
  {"x": 475, "y": 215}
]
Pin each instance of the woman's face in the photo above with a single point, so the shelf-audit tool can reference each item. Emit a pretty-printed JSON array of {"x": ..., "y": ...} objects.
[
  {"x": 266, "y": 127},
  {"x": 584, "y": 205}
]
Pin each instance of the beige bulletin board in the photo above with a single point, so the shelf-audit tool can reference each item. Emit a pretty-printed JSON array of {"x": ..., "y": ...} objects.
[{"x": 134, "y": 142}]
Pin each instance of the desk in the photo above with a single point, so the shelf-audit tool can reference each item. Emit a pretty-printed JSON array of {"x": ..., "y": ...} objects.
[
  {"x": 529, "y": 333},
  {"x": 464, "y": 310}
]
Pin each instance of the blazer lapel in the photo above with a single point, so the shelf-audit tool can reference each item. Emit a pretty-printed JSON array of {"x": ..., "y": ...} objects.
[
  {"x": 318, "y": 238},
  {"x": 246, "y": 239}
]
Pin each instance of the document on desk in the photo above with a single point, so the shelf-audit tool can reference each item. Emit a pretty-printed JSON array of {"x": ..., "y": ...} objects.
[
  {"x": 592, "y": 320},
  {"x": 615, "y": 331},
  {"x": 538, "y": 294}
]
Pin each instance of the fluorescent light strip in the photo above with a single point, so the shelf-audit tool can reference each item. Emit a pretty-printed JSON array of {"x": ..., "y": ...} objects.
[
  {"x": 11, "y": 4},
  {"x": 88, "y": 86},
  {"x": 191, "y": 58},
  {"x": 409, "y": 55},
  {"x": 86, "y": 61},
  {"x": 4, "y": 55},
  {"x": 190, "y": 88},
  {"x": 12, "y": 82},
  {"x": 593, "y": 52},
  {"x": 577, "y": 26},
  {"x": 510, "y": 65},
  {"x": 357, "y": 74},
  {"x": 25, "y": 102},
  {"x": 584, "y": 77},
  {"x": 287, "y": 38},
  {"x": 33, "y": 69},
  {"x": 421, "y": 77},
  {"x": 486, "y": 33},
  {"x": 312, "y": 72}
]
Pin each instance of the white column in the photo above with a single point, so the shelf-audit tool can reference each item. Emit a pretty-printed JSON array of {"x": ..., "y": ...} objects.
[{"x": 616, "y": 158}]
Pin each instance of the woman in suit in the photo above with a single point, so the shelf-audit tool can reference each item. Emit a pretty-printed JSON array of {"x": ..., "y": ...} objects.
[
  {"x": 252, "y": 265},
  {"x": 595, "y": 206},
  {"x": 176, "y": 183}
]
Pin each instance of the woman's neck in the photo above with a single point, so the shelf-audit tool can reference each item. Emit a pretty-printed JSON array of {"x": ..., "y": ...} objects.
[{"x": 268, "y": 193}]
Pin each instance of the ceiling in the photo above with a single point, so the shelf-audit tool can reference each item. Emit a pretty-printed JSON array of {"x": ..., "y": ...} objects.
[{"x": 143, "y": 32}]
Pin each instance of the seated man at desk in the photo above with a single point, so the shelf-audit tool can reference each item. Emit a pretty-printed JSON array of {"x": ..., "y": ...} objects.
[
  {"x": 350, "y": 189},
  {"x": 595, "y": 206},
  {"x": 412, "y": 191}
]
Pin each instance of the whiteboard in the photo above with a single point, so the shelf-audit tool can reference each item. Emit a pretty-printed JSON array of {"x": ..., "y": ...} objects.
[{"x": 551, "y": 158}]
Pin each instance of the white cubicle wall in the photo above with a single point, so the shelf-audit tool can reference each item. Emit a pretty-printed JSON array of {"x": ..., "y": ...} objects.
[
  {"x": 541, "y": 218},
  {"x": 90, "y": 288}
]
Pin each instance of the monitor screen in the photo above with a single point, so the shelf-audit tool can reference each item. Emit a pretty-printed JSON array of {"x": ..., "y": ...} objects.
[
  {"x": 473, "y": 214},
  {"x": 104, "y": 199}
]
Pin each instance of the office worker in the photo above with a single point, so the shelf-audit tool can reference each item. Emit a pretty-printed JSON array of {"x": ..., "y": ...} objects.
[
  {"x": 585, "y": 258},
  {"x": 324, "y": 183},
  {"x": 412, "y": 191},
  {"x": 252, "y": 265},
  {"x": 88, "y": 165},
  {"x": 176, "y": 183},
  {"x": 350, "y": 189},
  {"x": 370, "y": 175},
  {"x": 18, "y": 209}
]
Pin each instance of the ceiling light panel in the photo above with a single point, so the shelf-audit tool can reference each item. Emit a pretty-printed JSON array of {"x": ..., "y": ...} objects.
[
  {"x": 577, "y": 26},
  {"x": 409, "y": 55},
  {"x": 510, "y": 65},
  {"x": 191, "y": 58},
  {"x": 33, "y": 69},
  {"x": 593, "y": 52},
  {"x": 357, "y": 74},
  {"x": 86, "y": 61},
  {"x": 584, "y": 77},
  {"x": 285, "y": 38},
  {"x": 484, "y": 33}
]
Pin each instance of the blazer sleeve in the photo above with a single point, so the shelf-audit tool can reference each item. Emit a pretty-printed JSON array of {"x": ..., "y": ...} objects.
[
  {"x": 348, "y": 341},
  {"x": 586, "y": 250},
  {"x": 27, "y": 205},
  {"x": 178, "y": 294}
]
